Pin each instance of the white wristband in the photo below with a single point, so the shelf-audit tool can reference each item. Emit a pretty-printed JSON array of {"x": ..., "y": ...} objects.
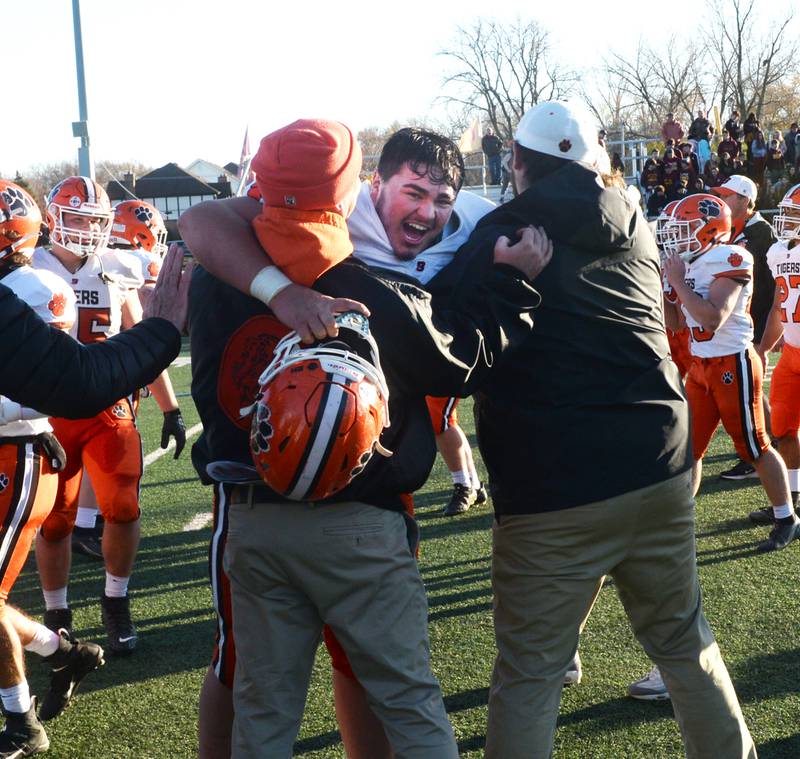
[{"x": 268, "y": 283}]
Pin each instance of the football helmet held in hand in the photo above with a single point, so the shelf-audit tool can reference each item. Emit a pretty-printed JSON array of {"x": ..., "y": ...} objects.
[{"x": 320, "y": 412}]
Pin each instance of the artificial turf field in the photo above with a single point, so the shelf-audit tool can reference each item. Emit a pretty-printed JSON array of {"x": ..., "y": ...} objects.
[{"x": 145, "y": 706}]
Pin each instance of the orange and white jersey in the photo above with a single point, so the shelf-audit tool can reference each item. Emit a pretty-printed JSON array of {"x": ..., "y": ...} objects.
[
  {"x": 151, "y": 265},
  {"x": 53, "y": 301},
  {"x": 736, "y": 333},
  {"x": 784, "y": 263},
  {"x": 100, "y": 286}
]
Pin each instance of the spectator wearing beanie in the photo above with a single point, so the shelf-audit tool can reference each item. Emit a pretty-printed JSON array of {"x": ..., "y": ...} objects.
[{"x": 308, "y": 177}]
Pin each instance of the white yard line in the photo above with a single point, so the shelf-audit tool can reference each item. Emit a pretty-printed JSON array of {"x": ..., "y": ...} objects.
[
  {"x": 198, "y": 522},
  {"x": 181, "y": 361}
]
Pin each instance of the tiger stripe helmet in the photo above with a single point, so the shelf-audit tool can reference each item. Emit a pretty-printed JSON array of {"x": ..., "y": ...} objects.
[
  {"x": 138, "y": 226},
  {"x": 319, "y": 413},
  {"x": 786, "y": 222},
  {"x": 20, "y": 220},
  {"x": 697, "y": 224}
]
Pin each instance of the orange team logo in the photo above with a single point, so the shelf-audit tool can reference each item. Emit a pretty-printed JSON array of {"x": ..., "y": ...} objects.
[
  {"x": 57, "y": 304},
  {"x": 735, "y": 259},
  {"x": 152, "y": 269}
]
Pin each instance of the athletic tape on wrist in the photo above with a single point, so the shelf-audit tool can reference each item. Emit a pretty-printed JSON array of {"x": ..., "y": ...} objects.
[{"x": 268, "y": 283}]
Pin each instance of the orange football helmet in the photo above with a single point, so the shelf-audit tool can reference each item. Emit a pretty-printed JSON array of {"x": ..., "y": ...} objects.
[
  {"x": 138, "y": 226},
  {"x": 697, "y": 224},
  {"x": 79, "y": 196},
  {"x": 20, "y": 220},
  {"x": 786, "y": 222},
  {"x": 320, "y": 413},
  {"x": 661, "y": 220}
]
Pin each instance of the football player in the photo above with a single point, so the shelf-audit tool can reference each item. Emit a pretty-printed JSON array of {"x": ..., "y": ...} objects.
[
  {"x": 784, "y": 320},
  {"x": 713, "y": 281},
  {"x": 29, "y": 460},
  {"x": 105, "y": 283},
  {"x": 138, "y": 228}
]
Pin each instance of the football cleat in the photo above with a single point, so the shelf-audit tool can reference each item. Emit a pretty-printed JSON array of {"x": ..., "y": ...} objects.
[
  {"x": 481, "y": 495},
  {"x": 574, "y": 673},
  {"x": 71, "y": 663},
  {"x": 86, "y": 541},
  {"x": 460, "y": 501},
  {"x": 116, "y": 614},
  {"x": 23, "y": 734},
  {"x": 742, "y": 470},
  {"x": 783, "y": 533},
  {"x": 58, "y": 619},
  {"x": 650, "y": 687}
]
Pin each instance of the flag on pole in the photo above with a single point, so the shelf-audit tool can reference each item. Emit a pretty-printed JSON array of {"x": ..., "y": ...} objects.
[
  {"x": 244, "y": 172},
  {"x": 470, "y": 141}
]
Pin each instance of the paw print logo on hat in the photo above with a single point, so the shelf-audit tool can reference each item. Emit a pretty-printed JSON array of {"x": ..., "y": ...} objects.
[{"x": 3, "y": 481}]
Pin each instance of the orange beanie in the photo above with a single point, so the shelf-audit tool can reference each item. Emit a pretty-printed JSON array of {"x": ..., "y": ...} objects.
[{"x": 311, "y": 164}]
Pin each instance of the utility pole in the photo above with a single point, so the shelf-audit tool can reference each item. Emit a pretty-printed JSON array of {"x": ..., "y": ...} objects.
[{"x": 81, "y": 128}]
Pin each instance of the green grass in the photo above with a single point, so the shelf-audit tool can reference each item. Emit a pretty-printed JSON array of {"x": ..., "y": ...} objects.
[{"x": 145, "y": 706}]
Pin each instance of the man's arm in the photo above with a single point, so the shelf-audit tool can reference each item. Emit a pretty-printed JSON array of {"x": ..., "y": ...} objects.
[
  {"x": 773, "y": 330},
  {"x": 219, "y": 232},
  {"x": 710, "y": 312}
]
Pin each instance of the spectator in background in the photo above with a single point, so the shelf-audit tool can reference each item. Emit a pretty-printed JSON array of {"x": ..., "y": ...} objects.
[
  {"x": 656, "y": 201},
  {"x": 697, "y": 186},
  {"x": 778, "y": 135},
  {"x": 701, "y": 128},
  {"x": 617, "y": 164},
  {"x": 492, "y": 146},
  {"x": 505, "y": 168},
  {"x": 652, "y": 174},
  {"x": 703, "y": 154},
  {"x": 726, "y": 166},
  {"x": 791, "y": 139},
  {"x": 775, "y": 162},
  {"x": 672, "y": 144},
  {"x": 758, "y": 157},
  {"x": 728, "y": 145},
  {"x": 688, "y": 153},
  {"x": 602, "y": 139},
  {"x": 749, "y": 130},
  {"x": 672, "y": 170},
  {"x": 711, "y": 173},
  {"x": 672, "y": 129},
  {"x": 734, "y": 126}
]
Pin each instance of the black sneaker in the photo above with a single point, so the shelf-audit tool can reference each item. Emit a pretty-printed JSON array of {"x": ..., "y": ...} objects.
[
  {"x": 763, "y": 515},
  {"x": 481, "y": 495},
  {"x": 116, "y": 613},
  {"x": 86, "y": 541},
  {"x": 23, "y": 734},
  {"x": 59, "y": 619},
  {"x": 740, "y": 471},
  {"x": 71, "y": 663},
  {"x": 463, "y": 497},
  {"x": 783, "y": 533}
]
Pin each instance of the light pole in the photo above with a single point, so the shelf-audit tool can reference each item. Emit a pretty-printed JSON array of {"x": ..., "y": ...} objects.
[{"x": 81, "y": 128}]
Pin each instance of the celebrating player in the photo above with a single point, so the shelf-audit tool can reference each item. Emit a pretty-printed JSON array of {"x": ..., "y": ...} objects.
[
  {"x": 29, "y": 458},
  {"x": 79, "y": 217}
]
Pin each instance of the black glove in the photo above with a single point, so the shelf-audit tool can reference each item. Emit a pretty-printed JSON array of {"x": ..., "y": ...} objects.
[
  {"x": 173, "y": 427},
  {"x": 52, "y": 450}
]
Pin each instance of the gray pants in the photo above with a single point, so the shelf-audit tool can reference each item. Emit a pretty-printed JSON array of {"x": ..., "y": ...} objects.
[
  {"x": 545, "y": 571},
  {"x": 296, "y": 566}
]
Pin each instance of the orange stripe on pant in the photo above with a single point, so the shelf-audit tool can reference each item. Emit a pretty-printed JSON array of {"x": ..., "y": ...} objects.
[
  {"x": 728, "y": 389},
  {"x": 27, "y": 492}
]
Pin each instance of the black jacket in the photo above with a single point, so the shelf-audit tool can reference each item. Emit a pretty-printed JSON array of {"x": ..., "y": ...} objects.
[
  {"x": 427, "y": 347},
  {"x": 758, "y": 237},
  {"x": 46, "y": 369},
  {"x": 591, "y": 405}
]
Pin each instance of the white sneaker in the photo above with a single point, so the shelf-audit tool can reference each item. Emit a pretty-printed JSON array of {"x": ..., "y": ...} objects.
[
  {"x": 650, "y": 687},
  {"x": 574, "y": 672}
]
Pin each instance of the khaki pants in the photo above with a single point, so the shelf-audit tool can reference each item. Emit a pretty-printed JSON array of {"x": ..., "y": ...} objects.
[
  {"x": 293, "y": 567},
  {"x": 546, "y": 569}
]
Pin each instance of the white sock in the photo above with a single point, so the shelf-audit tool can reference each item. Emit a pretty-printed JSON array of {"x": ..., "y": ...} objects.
[
  {"x": 86, "y": 517},
  {"x": 16, "y": 698},
  {"x": 460, "y": 478},
  {"x": 782, "y": 511},
  {"x": 475, "y": 480},
  {"x": 116, "y": 587},
  {"x": 55, "y": 599},
  {"x": 794, "y": 480},
  {"x": 45, "y": 642}
]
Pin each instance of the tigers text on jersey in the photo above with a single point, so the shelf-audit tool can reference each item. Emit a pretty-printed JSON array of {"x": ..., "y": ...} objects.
[
  {"x": 736, "y": 333},
  {"x": 99, "y": 301},
  {"x": 53, "y": 301},
  {"x": 784, "y": 263}
]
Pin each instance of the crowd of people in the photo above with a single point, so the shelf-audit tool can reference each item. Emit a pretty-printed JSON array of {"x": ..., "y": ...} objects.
[
  {"x": 326, "y": 366},
  {"x": 697, "y": 160}
]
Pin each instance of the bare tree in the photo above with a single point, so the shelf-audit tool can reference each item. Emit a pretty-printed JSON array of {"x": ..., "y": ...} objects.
[
  {"x": 752, "y": 65},
  {"x": 503, "y": 70}
]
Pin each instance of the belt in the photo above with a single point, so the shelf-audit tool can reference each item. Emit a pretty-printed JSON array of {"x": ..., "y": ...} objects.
[{"x": 252, "y": 494}]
